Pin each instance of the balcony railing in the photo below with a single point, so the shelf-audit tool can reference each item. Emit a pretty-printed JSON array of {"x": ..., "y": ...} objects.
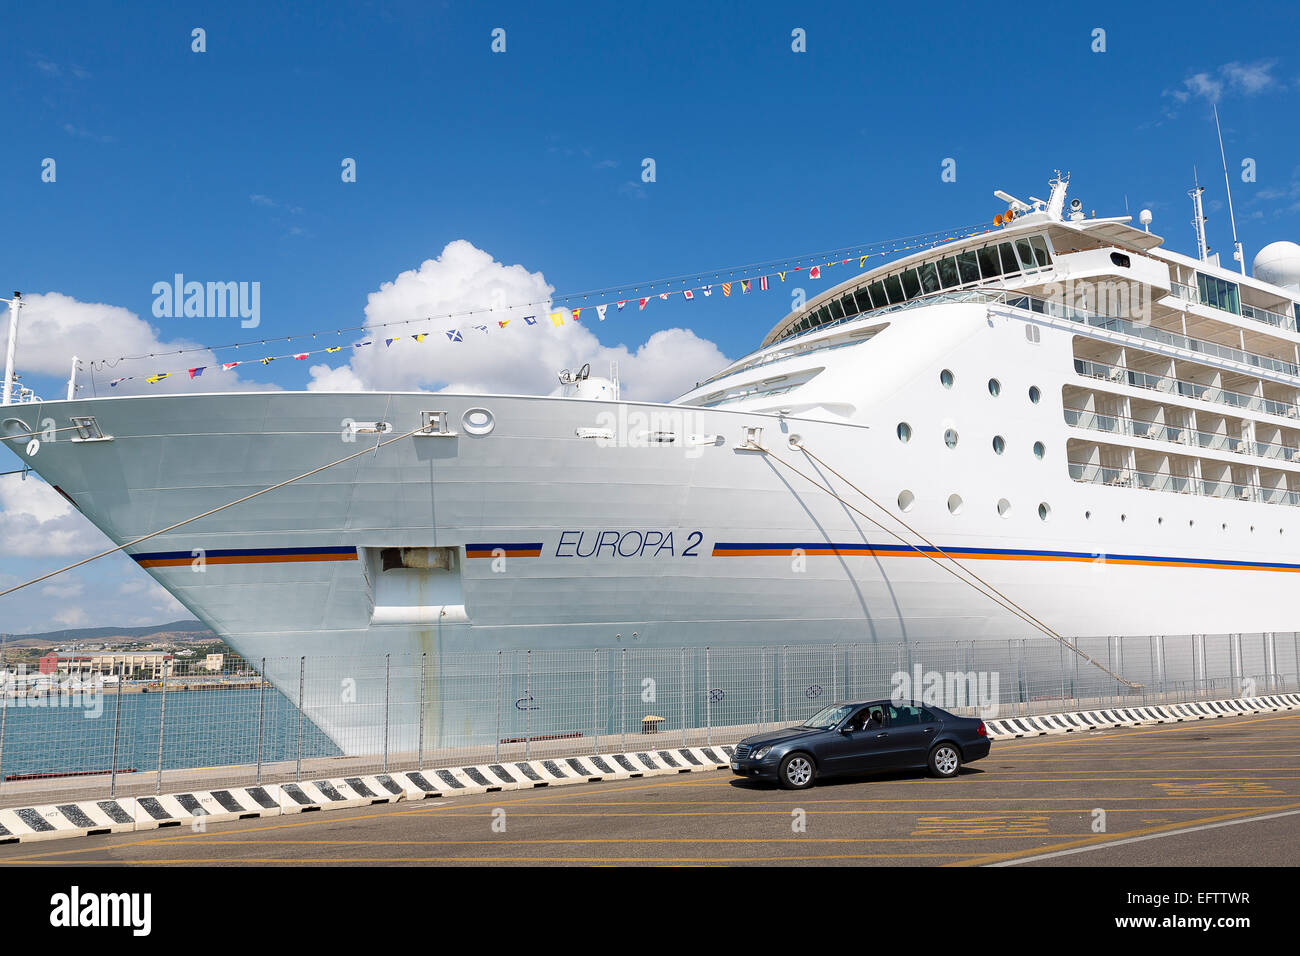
[
  {"x": 1278, "y": 320},
  {"x": 1185, "y": 389},
  {"x": 1151, "y": 481},
  {"x": 1179, "y": 435}
]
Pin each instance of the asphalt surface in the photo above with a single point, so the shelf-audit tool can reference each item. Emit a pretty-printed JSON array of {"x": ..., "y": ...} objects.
[{"x": 1214, "y": 793}]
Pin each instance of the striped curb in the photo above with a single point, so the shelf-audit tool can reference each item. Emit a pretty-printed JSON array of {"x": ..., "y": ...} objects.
[{"x": 1040, "y": 725}]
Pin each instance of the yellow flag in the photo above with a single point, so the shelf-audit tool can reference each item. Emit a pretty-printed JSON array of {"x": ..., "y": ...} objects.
[
  {"x": 557, "y": 318},
  {"x": 155, "y": 379}
]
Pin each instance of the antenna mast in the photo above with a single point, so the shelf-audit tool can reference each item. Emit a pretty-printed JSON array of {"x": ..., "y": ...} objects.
[
  {"x": 15, "y": 306},
  {"x": 1198, "y": 217},
  {"x": 1237, "y": 252}
]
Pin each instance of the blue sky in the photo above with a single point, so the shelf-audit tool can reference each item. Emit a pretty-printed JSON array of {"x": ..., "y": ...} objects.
[{"x": 225, "y": 165}]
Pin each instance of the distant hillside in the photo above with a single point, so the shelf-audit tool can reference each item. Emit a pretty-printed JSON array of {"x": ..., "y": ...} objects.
[{"x": 183, "y": 631}]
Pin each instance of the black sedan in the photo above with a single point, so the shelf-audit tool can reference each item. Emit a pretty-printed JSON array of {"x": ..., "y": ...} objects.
[{"x": 861, "y": 737}]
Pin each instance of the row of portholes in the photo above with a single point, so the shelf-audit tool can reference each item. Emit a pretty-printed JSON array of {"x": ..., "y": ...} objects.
[
  {"x": 1191, "y": 522},
  {"x": 906, "y": 501},
  {"x": 950, "y": 438},
  {"x": 946, "y": 379}
]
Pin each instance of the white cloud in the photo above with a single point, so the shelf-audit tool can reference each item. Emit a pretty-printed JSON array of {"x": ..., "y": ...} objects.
[
  {"x": 517, "y": 359},
  {"x": 1244, "y": 79},
  {"x": 37, "y": 521},
  {"x": 55, "y": 327}
]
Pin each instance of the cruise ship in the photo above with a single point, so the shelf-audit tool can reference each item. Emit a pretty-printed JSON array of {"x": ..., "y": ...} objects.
[{"x": 1054, "y": 427}]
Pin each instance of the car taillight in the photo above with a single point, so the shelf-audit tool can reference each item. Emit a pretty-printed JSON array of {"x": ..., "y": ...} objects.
[{"x": 981, "y": 731}]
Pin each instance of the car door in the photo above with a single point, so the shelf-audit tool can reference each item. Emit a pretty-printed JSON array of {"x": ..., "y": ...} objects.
[
  {"x": 843, "y": 749},
  {"x": 910, "y": 735}
]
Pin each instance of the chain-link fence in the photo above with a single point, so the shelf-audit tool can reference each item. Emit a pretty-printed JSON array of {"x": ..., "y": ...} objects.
[{"x": 278, "y": 719}]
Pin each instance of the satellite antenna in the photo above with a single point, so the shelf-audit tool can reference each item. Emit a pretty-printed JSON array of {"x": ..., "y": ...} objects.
[{"x": 1237, "y": 252}]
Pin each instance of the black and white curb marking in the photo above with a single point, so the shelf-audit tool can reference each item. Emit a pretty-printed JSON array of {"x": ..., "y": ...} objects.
[
  {"x": 89, "y": 818},
  {"x": 1040, "y": 725}
]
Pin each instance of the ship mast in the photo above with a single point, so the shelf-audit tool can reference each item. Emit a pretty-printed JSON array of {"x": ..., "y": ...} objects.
[
  {"x": 15, "y": 306},
  {"x": 1198, "y": 217},
  {"x": 1237, "y": 252}
]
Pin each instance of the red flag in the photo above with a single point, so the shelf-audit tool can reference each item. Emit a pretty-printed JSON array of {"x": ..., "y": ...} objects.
[
  {"x": 815, "y": 272},
  {"x": 641, "y": 303}
]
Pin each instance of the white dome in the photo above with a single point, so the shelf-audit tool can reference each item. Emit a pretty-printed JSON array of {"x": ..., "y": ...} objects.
[{"x": 1279, "y": 263}]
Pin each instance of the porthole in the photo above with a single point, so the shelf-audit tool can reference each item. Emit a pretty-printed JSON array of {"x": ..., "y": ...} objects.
[
  {"x": 1123, "y": 517},
  {"x": 1252, "y": 529},
  {"x": 1087, "y": 516},
  {"x": 999, "y": 444},
  {"x": 995, "y": 387},
  {"x": 1223, "y": 527},
  {"x": 945, "y": 378},
  {"x": 1044, "y": 510},
  {"x": 950, "y": 438},
  {"x": 905, "y": 500},
  {"x": 1191, "y": 523},
  {"x": 1039, "y": 450},
  {"x": 1160, "y": 521},
  {"x": 954, "y": 504},
  {"x": 1034, "y": 394},
  {"x": 904, "y": 432},
  {"x": 1004, "y": 507}
]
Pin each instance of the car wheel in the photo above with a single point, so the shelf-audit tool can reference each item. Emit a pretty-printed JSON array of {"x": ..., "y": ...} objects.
[
  {"x": 797, "y": 772},
  {"x": 945, "y": 760}
]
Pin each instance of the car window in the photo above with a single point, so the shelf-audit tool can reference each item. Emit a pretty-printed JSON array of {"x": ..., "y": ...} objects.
[
  {"x": 904, "y": 716},
  {"x": 828, "y": 717},
  {"x": 929, "y": 716}
]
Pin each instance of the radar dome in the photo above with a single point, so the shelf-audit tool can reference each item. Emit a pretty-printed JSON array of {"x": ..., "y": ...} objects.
[{"x": 1279, "y": 263}]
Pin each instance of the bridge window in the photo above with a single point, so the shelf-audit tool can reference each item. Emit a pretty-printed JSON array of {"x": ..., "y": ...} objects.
[
  {"x": 1040, "y": 251},
  {"x": 911, "y": 284},
  {"x": 968, "y": 266},
  {"x": 1008, "y": 254},
  {"x": 1218, "y": 293},
  {"x": 929, "y": 277},
  {"x": 988, "y": 260},
  {"x": 948, "y": 272},
  {"x": 895, "y": 289},
  {"x": 1026, "y": 255}
]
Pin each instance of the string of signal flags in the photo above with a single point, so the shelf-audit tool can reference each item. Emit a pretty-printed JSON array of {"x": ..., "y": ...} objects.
[{"x": 764, "y": 281}]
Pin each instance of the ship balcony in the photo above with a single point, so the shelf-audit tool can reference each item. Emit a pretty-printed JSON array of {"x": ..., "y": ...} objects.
[
  {"x": 1116, "y": 375},
  {"x": 1155, "y": 481},
  {"x": 1179, "y": 435}
]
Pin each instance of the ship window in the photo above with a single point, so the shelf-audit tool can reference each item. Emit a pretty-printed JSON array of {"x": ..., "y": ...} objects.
[
  {"x": 904, "y": 432},
  {"x": 1218, "y": 293},
  {"x": 864, "y": 300},
  {"x": 950, "y": 438},
  {"x": 1120, "y": 260},
  {"x": 968, "y": 266},
  {"x": 894, "y": 288},
  {"x": 878, "y": 297},
  {"x": 837, "y": 310},
  {"x": 948, "y": 272},
  {"x": 905, "y": 500},
  {"x": 1040, "y": 250},
  {"x": 1026, "y": 255},
  {"x": 988, "y": 259},
  {"x": 999, "y": 444},
  {"x": 1034, "y": 394},
  {"x": 995, "y": 387},
  {"x": 946, "y": 378},
  {"x": 1044, "y": 510},
  {"x": 1004, "y": 507},
  {"x": 1009, "y": 263},
  {"x": 1039, "y": 450},
  {"x": 954, "y": 504},
  {"x": 823, "y": 316},
  {"x": 911, "y": 284},
  {"x": 930, "y": 278},
  {"x": 848, "y": 305}
]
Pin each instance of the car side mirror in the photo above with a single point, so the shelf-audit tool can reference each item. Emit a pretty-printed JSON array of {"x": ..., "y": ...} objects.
[{"x": 846, "y": 729}]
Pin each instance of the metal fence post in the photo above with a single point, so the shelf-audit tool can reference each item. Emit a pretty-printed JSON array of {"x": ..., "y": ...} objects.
[
  {"x": 682, "y": 689},
  {"x": 419, "y": 754},
  {"x": 388, "y": 681},
  {"x": 117, "y": 720},
  {"x": 302, "y": 679},
  {"x": 261, "y": 710},
  {"x": 528, "y": 705},
  {"x": 496, "y": 746},
  {"x": 785, "y": 675},
  {"x": 762, "y": 687},
  {"x": 595, "y": 699},
  {"x": 708, "y": 700},
  {"x": 623, "y": 697},
  {"x": 835, "y": 672},
  {"x": 162, "y": 726},
  {"x": 4, "y": 716}
]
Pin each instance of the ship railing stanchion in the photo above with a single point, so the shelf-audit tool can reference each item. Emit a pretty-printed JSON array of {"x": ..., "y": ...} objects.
[
  {"x": 419, "y": 755},
  {"x": 302, "y": 677},
  {"x": 261, "y": 699},
  {"x": 162, "y": 728}
]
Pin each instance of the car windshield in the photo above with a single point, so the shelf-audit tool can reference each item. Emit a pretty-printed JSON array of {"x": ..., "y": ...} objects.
[{"x": 828, "y": 717}]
